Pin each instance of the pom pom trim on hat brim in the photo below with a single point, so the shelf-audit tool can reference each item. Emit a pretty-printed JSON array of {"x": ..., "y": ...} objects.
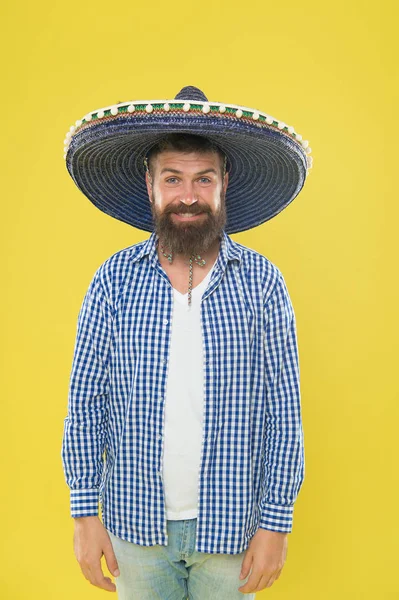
[{"x": 149, "y": 106}]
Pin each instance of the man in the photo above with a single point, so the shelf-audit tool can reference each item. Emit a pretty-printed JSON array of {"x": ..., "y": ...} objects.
[{"x": 185, "y": 371}]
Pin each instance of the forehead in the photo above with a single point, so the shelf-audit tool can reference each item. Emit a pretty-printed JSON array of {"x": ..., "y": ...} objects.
[{"x": 188, "y": 160}]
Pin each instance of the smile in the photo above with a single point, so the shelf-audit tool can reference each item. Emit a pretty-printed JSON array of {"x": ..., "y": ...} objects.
[{"x": 187, "y": 216}]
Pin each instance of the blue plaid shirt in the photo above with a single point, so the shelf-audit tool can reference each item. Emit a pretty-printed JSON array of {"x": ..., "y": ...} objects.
[{"x": 252, "y": 461}]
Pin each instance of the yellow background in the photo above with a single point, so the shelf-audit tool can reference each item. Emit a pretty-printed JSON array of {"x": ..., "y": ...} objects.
[{"x": 328, "y": 70}]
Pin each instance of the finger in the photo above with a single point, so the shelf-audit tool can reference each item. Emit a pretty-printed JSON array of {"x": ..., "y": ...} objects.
[
  {"x": 265, "y": 581},
  {"x": 271, "y": 581},
  {"x": 246, "y": 565},
  {"x": 252, "y": 582},
  {"x": 97, "y": 578},
  {"x": 110, "y": 559}
]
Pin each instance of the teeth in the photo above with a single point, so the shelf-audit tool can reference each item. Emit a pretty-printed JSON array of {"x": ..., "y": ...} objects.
[{"x": 187, "y": 214}]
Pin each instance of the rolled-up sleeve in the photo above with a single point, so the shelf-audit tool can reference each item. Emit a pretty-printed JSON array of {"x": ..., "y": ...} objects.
[
  {"x": 283, "y": 458},
  {"x": 85, "y": 425}
]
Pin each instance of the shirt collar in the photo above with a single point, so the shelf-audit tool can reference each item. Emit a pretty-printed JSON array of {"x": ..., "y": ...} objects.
[{"x": 229, "y": 250}]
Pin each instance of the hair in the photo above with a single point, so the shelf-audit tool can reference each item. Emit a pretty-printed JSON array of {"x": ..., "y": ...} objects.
[{"x": 184, "y": 142}]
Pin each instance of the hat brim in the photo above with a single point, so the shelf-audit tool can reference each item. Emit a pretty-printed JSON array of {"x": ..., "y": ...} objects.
[{"x": 267, "y": 167}]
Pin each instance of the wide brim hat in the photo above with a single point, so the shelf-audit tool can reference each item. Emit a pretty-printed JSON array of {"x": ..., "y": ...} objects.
[{"x": 267, "y": 160}]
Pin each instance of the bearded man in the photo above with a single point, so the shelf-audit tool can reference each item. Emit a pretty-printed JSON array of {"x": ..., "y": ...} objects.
[{"x": 185, "y": 371}]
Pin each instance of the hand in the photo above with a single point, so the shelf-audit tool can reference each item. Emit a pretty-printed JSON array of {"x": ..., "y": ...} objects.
[
  {"x": 267, "y": 552},
  {"x": 90, "y": 541}
]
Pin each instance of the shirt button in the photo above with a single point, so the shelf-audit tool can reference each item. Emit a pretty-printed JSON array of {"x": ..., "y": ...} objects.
[
  {"x": 165, "y": 321},
  {"x": 159, "y": 436},
  {"x": 164, "y": 361}
]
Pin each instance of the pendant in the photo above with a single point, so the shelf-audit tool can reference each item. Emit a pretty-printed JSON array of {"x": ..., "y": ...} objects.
[{"x": 197, "y": 258}]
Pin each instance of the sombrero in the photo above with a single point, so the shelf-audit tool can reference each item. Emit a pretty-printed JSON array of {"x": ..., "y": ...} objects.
[{"x": 268, "y": 161}]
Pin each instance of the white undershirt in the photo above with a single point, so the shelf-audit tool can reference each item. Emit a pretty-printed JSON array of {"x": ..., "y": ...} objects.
[{"x": 184, "y": 406}]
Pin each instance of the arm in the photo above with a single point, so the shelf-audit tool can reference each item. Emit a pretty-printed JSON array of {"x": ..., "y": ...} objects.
[
  {"x": 284, "y": 460},
  {"x": 85, "y": 425}
]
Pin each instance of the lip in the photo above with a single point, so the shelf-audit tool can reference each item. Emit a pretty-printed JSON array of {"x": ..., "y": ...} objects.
[{"x": 194, "y": 217}]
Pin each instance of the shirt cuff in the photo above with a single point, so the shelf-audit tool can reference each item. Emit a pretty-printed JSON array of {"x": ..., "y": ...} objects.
[
  {"x": 276, "y": 517},
  {"x": 84, "y": 503}
]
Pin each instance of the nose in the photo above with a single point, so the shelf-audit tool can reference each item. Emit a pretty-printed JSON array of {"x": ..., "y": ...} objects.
[{"x": 188, "y": 196}]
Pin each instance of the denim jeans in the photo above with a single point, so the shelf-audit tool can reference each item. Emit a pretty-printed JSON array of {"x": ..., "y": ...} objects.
[{"x": 176, "y": 571}]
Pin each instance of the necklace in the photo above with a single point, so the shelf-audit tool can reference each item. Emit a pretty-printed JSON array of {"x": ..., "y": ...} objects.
[{"x": 194, "y": 257}]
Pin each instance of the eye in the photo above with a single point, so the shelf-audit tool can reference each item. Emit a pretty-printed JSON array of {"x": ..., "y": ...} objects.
[
  {"x": 171, "y": 180},
  {"x": 204, "y": 180}
]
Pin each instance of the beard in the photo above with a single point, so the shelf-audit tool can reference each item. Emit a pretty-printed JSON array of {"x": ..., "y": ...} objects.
[{"x": 187, "y": 237}]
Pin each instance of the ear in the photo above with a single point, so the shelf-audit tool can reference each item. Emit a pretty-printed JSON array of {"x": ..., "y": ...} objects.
[
  {"x": 226, "y": 182},
  {"x": 149, "y": 185}
]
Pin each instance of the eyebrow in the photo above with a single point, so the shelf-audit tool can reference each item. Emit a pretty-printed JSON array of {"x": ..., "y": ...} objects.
[{"x": 198, "y": 173}]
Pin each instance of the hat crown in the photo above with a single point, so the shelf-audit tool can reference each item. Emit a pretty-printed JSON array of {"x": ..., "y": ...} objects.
[{"x": 189, "y": 92}]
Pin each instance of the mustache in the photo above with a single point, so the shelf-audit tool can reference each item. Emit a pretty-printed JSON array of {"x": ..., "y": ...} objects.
[{"x": 192, "y": 210}]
